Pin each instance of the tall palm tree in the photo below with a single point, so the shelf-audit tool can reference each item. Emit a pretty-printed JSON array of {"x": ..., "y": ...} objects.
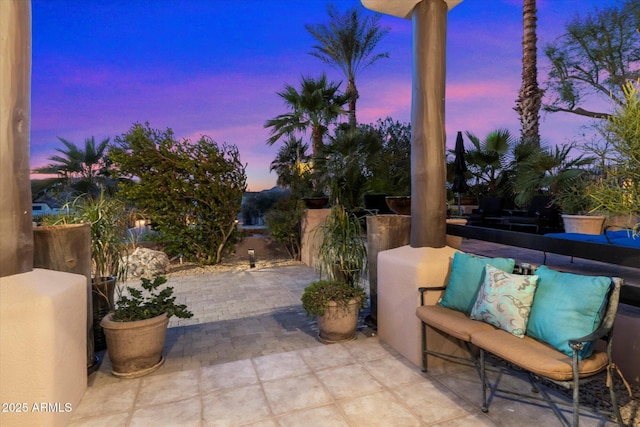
[
  {"x": 318, "y": 105},
  {"x": 347, "y": 43},
  {"x": 530, "y": 96},
  {"x": 83, "y": 170}
]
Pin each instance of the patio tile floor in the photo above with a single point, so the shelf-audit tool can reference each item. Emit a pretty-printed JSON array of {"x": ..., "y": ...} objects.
[{"x": 250, "y": 357}]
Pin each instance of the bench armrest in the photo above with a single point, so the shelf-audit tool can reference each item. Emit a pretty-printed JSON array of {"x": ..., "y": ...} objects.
[
  {"x": 424, "y": 289},
  {"x": 578, "y": 343}
]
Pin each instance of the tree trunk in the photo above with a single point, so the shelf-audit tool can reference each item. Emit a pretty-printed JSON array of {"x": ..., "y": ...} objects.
[
  {"x": 16, "y": 244},
  {"x": 351, "y": 89},
  {"x": 529, "y": 99},
  {"x": 428, "y": 166}
]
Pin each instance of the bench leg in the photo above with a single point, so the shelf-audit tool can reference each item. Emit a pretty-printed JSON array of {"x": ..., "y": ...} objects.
[
  {"x": 612, "y": 392},
  {"x": 424, "y": 346},
  {"x": 576, "y": 391},
  {"x": 483, "y": 380}
]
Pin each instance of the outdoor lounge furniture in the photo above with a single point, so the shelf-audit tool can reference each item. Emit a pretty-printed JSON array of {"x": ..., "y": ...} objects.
[
  {"x": 488, "y": 213},
  {"x": 549, "y": 333},
  {"x": 609, "y": 237},
  {"x": 540, "y": 215}
]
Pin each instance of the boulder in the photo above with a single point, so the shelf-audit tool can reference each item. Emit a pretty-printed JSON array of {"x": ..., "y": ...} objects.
[{"x": 147, "y": 263}]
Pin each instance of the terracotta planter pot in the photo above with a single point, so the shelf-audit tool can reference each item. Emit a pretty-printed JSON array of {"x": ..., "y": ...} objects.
[
  {"x": 401, "y": 205},
  {"x": 135, "y": 348},
  {"x": 315, "y": 202},
  {"x": 338, "y": 324},
  {"x": 584, "y": 224}
]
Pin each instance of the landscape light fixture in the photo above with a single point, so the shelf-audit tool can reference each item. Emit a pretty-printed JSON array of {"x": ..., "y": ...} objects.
[{"x": 252, "y": 260}]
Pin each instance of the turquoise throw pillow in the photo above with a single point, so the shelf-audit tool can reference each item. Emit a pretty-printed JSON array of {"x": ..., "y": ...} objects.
[
  {"x": 567, "y": 306},
  {"x": 504, "y": 300},
  {"x": 466, "y": 277}
]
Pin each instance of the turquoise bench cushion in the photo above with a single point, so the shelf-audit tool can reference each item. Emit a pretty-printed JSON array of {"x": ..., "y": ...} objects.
[
  {"x": 466, "y": 277},
  {"x": 567, "y": 306}
]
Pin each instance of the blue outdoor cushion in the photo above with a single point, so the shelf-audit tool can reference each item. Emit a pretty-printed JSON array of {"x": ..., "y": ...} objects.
[
  {"x": 466, "y": 277},
  {"x": 567, "y": 306}
]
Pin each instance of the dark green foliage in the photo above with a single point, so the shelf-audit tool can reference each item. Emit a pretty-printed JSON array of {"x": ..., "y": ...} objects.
[
  {"x": 192, "y": 191},
  {"x": 343, "y": 253},
  {"x": 283, "y": 220},
  {"x": 389, "y": 167},
  {"x": 150, "y": 302},
  {"x": 318, "y": 294}
]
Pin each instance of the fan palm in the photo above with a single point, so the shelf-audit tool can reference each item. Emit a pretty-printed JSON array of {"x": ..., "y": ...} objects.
[
  {"x": 317, "y": 105},
  {"x": 83, "y": 170},
  {"x": 488, "y": 159},
  {"x": 293, "y": 166},
  {"x": 347, "y": 43}
]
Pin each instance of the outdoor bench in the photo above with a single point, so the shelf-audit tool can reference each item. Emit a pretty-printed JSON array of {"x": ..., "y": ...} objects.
[{"x": 540, "y": 320}]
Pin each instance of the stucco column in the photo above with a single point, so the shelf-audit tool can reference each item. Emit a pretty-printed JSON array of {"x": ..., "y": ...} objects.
[
  {"x": 428, "y": 164},
  {"x": 16, "y": 244}
]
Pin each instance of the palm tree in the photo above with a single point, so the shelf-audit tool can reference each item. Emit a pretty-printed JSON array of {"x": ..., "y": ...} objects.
[
  {"x": 488, "y": 159},
  {"x": 293, "y": 166},
  {"x": 318, "y": 105},
  {"x": 347, "y": 43},
  {"x": 530, "y": 97},
  {"x": 82, "y": 170}
]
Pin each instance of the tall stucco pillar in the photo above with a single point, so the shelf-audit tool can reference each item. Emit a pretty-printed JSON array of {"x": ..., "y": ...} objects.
[
  {"x": 16, "y": 244},
  {"x": 428, "y": 165}
]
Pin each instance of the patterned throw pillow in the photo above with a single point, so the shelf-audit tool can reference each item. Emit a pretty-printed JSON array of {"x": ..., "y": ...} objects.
[{"x": 504, "y": 300}]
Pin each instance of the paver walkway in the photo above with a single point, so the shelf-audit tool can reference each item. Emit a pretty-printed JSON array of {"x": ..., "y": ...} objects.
[{"x": 250, "y": 357}]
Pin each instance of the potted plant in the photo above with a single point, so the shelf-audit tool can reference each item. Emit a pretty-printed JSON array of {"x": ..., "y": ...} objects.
[
  {"x": 554, "y": 173},
  {"x": 335, "y": 305},
  {"x": 578, "y": 207},
  {"x": 137, "y": 327},
  {"x": 109, "y": 219},
  {"x": 342, "y": 259}
]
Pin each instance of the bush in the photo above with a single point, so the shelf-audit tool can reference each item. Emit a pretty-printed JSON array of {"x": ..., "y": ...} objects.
[
  {"x": 283, "y": 221},
  {"x": 192, "y": 190}
]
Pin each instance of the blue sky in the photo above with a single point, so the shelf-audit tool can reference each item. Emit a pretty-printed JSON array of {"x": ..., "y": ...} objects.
[{"x": 213, "y": 67}]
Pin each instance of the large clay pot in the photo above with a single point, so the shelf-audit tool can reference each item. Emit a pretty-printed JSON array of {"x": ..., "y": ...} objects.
[
  {"x": 338, "y": 324},
  {"x": 135, "y": 348},
  {"x": 584, "y": 224},
  {"x": 401, "y": 205}
]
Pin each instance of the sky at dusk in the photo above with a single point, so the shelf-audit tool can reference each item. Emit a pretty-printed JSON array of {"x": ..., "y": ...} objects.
[{"x": 213, "y": 67}]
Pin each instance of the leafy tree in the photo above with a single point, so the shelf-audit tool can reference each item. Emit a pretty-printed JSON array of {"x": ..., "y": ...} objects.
[
  {"x": 390, "y": 167},
  {"x": 530, "y": 97},
  {"x": 318, "y": 105},
  {"x": 618, "y": 192},
  {"x": 81, "y": 170},
  {"x": 193, "y": 191},
  {"x": 598, "y": 54},
  {"x": 348, "y": 43}
]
